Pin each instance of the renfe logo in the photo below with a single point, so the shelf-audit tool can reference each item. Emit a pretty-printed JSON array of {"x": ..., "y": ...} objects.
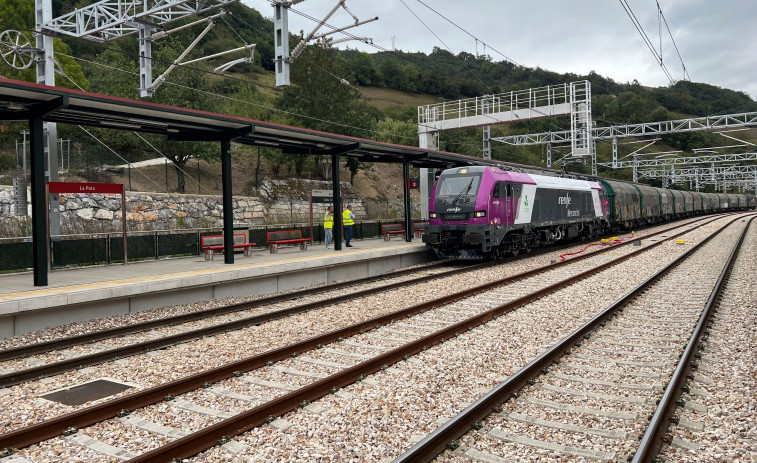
[
  {"x": 564, "y": 200},
  {"x": 453, "y": 209}
]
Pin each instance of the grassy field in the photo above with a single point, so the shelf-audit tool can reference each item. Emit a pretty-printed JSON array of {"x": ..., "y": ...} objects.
[{"x": 383, "y": 98}]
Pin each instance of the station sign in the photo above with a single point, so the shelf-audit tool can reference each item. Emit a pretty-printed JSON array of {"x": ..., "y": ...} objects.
[
  {"x": 75, "y": 187},
  {"x": 20, "y": 199},
  {"x": 322, "y": 196}
]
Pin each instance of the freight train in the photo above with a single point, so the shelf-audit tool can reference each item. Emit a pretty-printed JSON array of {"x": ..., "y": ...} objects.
[{"x": 480, "y": 212}]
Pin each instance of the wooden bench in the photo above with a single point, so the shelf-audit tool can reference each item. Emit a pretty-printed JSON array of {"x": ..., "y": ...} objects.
[
  {"x": 392, "y": 229},
  {"x": 419, "y": 228},
  {"x": 212, "y": 243},
  {"x": 277, "y": 238}
]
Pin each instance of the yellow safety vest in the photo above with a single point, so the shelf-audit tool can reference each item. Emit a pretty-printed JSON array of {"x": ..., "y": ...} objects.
[
  {"x": 346, "y": 219},
  {"x": 328, "y": 220}
]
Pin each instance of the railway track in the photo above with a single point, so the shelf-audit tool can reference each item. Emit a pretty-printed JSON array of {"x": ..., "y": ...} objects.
[
  {"x": 182, "y": 328},
  {"x": 33, "y": 361},
  {"x": 716, "y": 421},
  {"x": 395, "y": 342},
  {"x": 625, "y": 368}
]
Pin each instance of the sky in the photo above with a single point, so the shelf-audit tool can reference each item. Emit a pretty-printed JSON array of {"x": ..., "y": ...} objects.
[{"x": 715, "y": 38}]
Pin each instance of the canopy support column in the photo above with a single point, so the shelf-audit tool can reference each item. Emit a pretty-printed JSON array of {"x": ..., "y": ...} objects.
[
  {"x": 228, "y": 203},
  {"x": 406, "y": 195},
  {"x": 39, "y": 206},
  {"x": 337, "y": 193}
]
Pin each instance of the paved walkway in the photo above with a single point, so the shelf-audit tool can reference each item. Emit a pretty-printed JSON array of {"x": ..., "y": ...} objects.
[{"x": 22, "y": 284}]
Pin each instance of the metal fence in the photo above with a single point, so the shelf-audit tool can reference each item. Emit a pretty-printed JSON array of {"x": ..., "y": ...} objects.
[{"x": 107, "y": 248}]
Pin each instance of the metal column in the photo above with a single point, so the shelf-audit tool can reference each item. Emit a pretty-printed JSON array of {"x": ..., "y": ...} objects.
[
  {"x": 46, "y": 76},
  {"x": 39, "y": 209},
  {"x": 408, "y": 212},
  {"x": 228, "y": 203},
  {"x": 337, "y": 230},
  {"x": 145, "y": 59},
  {"x": 281, "y": 44}
]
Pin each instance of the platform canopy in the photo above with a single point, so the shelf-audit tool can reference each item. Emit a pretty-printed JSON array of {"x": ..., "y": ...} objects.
[
  {"x": 38, "y": 103},
  {"x": 24, "y": 101}
]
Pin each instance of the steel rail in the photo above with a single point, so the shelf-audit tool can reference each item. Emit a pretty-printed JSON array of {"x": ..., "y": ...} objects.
[
  {"x": 446, "y": 435},
  {"x": 655, "y": 434},
  {"x": 199, "y": 441},
  {"x": 47, "y": 346},
  {"x": 38, "y": 432},
  {"x": 20, "y": 376}
]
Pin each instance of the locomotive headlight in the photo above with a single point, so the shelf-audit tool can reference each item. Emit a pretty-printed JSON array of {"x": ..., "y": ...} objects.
[
  {"x": 432, "y": 214},
  {"x": 479, "y": 214}
]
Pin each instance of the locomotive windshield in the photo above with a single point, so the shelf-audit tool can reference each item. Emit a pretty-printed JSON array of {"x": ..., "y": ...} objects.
[{"x": 456, "y": 186}]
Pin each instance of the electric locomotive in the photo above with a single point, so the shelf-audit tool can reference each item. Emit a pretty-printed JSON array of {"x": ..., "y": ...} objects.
[{"x": 478, "y": 212}]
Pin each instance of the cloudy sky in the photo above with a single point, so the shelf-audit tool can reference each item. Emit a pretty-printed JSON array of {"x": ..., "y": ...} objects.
[{"x": 715, "y": 37}]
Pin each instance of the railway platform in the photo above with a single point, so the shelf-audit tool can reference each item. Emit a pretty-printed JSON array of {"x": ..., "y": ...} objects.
[{"x": 86, "y": 293}]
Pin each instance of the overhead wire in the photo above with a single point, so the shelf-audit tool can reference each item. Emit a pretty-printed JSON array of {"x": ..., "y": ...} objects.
[
  {"x": 473, "y": 36},
  {"x": 379, "y": 47},
  {"x": 118, "y": 155},
  {"x": 496, "y": 120},
  {"x": 645, "y": 37},
  {"x": 662, "y": 15},
  {"x": 446, "y": 46}
]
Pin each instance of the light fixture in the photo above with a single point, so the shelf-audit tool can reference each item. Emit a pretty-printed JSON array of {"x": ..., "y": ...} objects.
[
  {"x": 147, "y": 122},
  {"x": 16, "y": 106},
  {"x": 120, "y": 125}
]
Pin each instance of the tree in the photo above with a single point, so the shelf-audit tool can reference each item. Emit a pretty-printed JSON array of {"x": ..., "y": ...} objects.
[
  {"x": 181, "y": 152},
  {"x": 319, "y": 99},
  {"x": 397, "y": 132},
  {"x": 363, "y": 69}
]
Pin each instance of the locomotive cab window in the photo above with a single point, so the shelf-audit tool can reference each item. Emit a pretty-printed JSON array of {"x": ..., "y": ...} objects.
[
  {"x": 455, "y": 185},
  {"x": 502, "y": 190}
]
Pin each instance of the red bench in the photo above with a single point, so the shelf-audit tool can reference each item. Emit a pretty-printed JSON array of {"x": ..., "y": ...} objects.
[
  {"x": 277, "y": 238},
  {"x": 212, "y": 243},
  {"x": 392, "y": 229},
  {"x": 419, "y": 228}
]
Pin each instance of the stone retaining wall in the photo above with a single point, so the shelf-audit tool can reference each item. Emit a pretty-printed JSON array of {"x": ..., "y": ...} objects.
[{"x": 280, "y": 201}]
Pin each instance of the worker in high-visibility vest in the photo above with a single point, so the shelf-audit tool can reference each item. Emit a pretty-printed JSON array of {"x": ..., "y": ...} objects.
[
  {"x": 348, "y": 220},
  {"x": 328, "y": 224}
]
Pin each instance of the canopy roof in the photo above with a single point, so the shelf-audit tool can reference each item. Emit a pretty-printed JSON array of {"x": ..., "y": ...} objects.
[{"x": 24, "y": 100}]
